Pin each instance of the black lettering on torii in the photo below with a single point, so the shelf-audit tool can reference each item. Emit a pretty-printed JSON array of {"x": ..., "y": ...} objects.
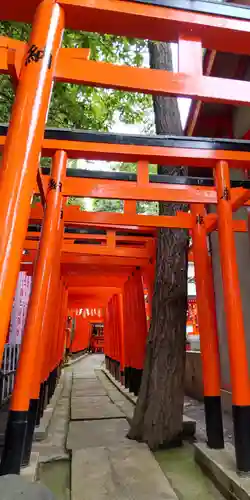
[
  {"x": 34, "y": 54},
  {"x": 199, "y": 219},
  {"x": 53, "y": 185},
  {"x": 226, "y": 194}
]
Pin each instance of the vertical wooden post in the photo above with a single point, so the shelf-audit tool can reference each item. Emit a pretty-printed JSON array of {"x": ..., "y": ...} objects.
[
  {"x": 129, "y": 333},
  {"x": 112, "y": 336},
  {"x": 40, "y": 380},
  {"x": 208, "y": 330},
  {"x": 63, "y": 322},
  {"x": 136, "y": 329},
  {"x": 116, "y": 336},
  {"x": 149, "y": 278},
  {"x": 19, "y": 164},
  {"x": 60, "y": 314},
  {"x": 118, "y": 333},
  {"x": 234, "y": 319},
  {"x": 23, "y": 406},
  {"x": 107, "y": 335},
  {"x": 126, "y": 330},
  {"x": 58, "y": 309},
  {"x": 121, "y": 326},
  {"x": 50, "y": 370},
  {"x": 141, "y": 329}
]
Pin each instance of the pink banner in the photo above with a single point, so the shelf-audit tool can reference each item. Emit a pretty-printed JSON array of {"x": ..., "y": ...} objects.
[{"x": 19, "y": 308}]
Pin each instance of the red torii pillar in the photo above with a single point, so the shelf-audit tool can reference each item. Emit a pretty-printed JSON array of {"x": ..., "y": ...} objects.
[
  {"x": 128, "y": 332},
  {"x": 63, "y": 322},
  {"x": 107, "y": 337},
  {"x": 117, "y": 331},
  {"x": 121, "y": 324},
  {"x": 113, "y": 337},
  {"x": 135, "y": 331},
  {"x": 19, "y": 164},
  {"x": 22, "y": 415},
  {"x": 43, "y": 376},
  {"x": 112, "y": 333},
  {"x": 148, "y": 274},
  {"x": 208, "y": 330},
  {"x": 234, "y": 319},
  {"x": 141, "y": 329}
]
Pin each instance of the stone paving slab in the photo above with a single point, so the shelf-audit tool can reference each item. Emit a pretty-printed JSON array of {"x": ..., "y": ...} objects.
[
  {"x": 91, "y": 400},
  {"x": 115, "y": 395},
  {"x": 127, "y": 408},
  {"x": 105, "y": 380},
  {"x": 85, "y": 411},
  {"x": 90, "y": 377},
  {"x": 14, "y": 487},
  {"x": 124, "y": 473},
  {"x": 88, "y": 383},
  {"x": 88, "y": 391},
  {"x": 95, "y": 433}
]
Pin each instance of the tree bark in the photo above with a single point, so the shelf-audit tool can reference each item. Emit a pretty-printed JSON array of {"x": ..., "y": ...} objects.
[{"x": 157, "y": 419}]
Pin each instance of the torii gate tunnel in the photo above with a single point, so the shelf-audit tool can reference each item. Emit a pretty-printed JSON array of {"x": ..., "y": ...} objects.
[{"x": 100, "y": 259}]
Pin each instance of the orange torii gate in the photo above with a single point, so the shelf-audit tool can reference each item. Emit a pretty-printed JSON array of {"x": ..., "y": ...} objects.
[{"x": 33, "y": 68}]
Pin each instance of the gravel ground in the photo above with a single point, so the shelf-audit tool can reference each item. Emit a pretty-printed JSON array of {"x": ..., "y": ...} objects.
[{"x": 195, "y": 409}]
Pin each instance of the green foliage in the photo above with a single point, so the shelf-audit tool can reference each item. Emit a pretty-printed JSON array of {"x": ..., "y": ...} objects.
[
  {"x": 73, "y": 163},
  {"x": 80, "y": 202},
  {"x": 18, "y": 31},
  {"x": 6, "y": 98},
  {"x": 123, "y": 167},
  {"x": 77, "y": 106},
  {"x": 143, "y": 207},
  {"x": 130, "y": 167},
  {"x": 148, "y": 207},
  {"x": 103, "y": 205}
]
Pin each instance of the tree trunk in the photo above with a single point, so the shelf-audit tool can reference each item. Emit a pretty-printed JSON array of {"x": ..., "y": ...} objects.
[{"x": 158, "y": 415}]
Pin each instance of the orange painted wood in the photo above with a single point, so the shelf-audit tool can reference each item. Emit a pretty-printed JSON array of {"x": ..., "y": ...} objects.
[{"x": 142, "y": 21}]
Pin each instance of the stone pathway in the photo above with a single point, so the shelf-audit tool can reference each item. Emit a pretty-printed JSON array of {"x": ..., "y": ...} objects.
[
  {"x": 105, "y": 464},
  {"x": 87, "y": 451}
]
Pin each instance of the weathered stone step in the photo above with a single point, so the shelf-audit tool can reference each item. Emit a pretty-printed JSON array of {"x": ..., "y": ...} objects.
[
  {"x": 86, "y": 387},
  {"x": 127, "y": 472},
  {"x": 94, "y": 433},
  {"x": 87, "y": 409}
]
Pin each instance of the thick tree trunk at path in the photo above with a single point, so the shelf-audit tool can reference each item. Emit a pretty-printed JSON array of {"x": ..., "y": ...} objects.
[{"x": 158, "y": 415}]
